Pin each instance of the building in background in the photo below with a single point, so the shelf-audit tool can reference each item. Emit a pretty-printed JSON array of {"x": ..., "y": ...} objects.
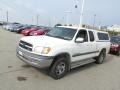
[{"x": 115, "y": 28}]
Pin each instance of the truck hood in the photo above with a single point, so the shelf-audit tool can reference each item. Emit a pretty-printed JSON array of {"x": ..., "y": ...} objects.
[{"x": 44, "y": 41}]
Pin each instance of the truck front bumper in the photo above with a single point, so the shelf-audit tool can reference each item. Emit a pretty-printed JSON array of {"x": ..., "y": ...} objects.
[{"x": 34, "y": 59}]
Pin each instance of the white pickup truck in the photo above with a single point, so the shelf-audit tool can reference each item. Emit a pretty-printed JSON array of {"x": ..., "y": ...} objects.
[{"x": 64, "y": 48}]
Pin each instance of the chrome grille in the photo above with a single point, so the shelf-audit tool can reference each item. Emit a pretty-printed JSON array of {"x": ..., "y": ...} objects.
[{"x": 25, "y": 45}]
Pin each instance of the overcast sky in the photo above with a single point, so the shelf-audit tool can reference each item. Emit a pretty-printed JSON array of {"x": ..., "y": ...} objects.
[{"x": 53, "y": 11}]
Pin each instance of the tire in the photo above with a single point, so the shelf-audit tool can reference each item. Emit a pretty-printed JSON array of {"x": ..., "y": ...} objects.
[
  {"x": 100, "y": 59},
  {"x": 118, "y": 53},
  {"x": 59, "y": 68},
  {"x": 19, "y": 31}
]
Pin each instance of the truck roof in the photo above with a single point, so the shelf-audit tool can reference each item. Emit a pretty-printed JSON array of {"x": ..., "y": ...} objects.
[
  {"x": 82, "y": 28},
  {"x": 70, "y": 27}
]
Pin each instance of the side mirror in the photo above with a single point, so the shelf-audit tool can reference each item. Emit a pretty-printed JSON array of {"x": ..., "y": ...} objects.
[{"x": 79, "y": 40}]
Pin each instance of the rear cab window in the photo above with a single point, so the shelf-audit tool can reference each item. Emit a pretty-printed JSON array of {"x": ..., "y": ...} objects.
[{"x": 103, "y": 36}]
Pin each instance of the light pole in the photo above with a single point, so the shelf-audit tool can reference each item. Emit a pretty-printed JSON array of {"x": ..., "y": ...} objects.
[
  {"x": 37, "y": 18},
  {"x": 67, "y": 17},
  {"x": 99, "y": 25},
  {"x": 7, "y": 16},
  {"x": 54, "y": 21},
  {"x": 32, "y": 20},
  {"x": 94, "y": 21},
  {"x": 81, "y": 14},
  {"x": 1, "y": 13}
]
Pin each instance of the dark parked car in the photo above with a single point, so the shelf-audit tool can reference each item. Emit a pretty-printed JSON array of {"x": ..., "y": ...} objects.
[
  {"x": 20, "y": 29},
  {"x": 16, "y": 27},
  {"x": 115, "y": 45},
  {"x": 11, "y": 27}
]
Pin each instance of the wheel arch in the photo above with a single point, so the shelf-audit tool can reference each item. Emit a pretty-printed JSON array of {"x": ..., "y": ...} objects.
[
  {"x": 104, "y": 49},
  {"x": 64, "y": 54}
]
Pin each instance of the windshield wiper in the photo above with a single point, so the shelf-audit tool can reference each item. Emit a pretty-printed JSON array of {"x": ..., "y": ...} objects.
[
  {"x": 49, "y": 35},
  {"x": 57, "y": 37},
  {"x": 61, "y": 37}
]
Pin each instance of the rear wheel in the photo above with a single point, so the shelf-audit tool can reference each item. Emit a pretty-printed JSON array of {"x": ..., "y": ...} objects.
[
  {"x": 59, "y": 68},
  {"x": 118, "y": 53},
  {"x": 100, "y": 59}
]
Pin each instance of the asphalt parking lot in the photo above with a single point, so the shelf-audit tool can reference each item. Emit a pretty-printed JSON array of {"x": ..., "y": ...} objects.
[{"x": 16, "y": 75}]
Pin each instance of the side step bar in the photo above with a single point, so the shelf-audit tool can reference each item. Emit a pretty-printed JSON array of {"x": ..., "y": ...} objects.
[{"x": 82, "y": 62}]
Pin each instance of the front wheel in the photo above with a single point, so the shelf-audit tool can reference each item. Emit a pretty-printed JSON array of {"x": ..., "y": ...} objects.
[
  {"x": 100, "y": 59},
  {"x": 59, "y": 68}
]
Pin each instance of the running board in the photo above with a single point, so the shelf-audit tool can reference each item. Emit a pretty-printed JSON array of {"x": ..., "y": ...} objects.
[{"x": 81, "y": 62}]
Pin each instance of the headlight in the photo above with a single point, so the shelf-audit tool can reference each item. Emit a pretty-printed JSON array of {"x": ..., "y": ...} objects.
[
  {"x": 46, "y": 50},
  {"x": 42, "y": 50}
]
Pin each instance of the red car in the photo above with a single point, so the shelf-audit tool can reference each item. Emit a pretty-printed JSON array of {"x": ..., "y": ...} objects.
[
  {"x": 115, "y": 45},
  {"x": 26, "y": 32},
  {"x": 39, "y": 32}
]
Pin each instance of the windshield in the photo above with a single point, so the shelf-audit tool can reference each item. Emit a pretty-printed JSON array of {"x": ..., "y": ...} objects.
[
  {"x": 115, "y": 39},
  {"x": 62, "y": 33}
]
